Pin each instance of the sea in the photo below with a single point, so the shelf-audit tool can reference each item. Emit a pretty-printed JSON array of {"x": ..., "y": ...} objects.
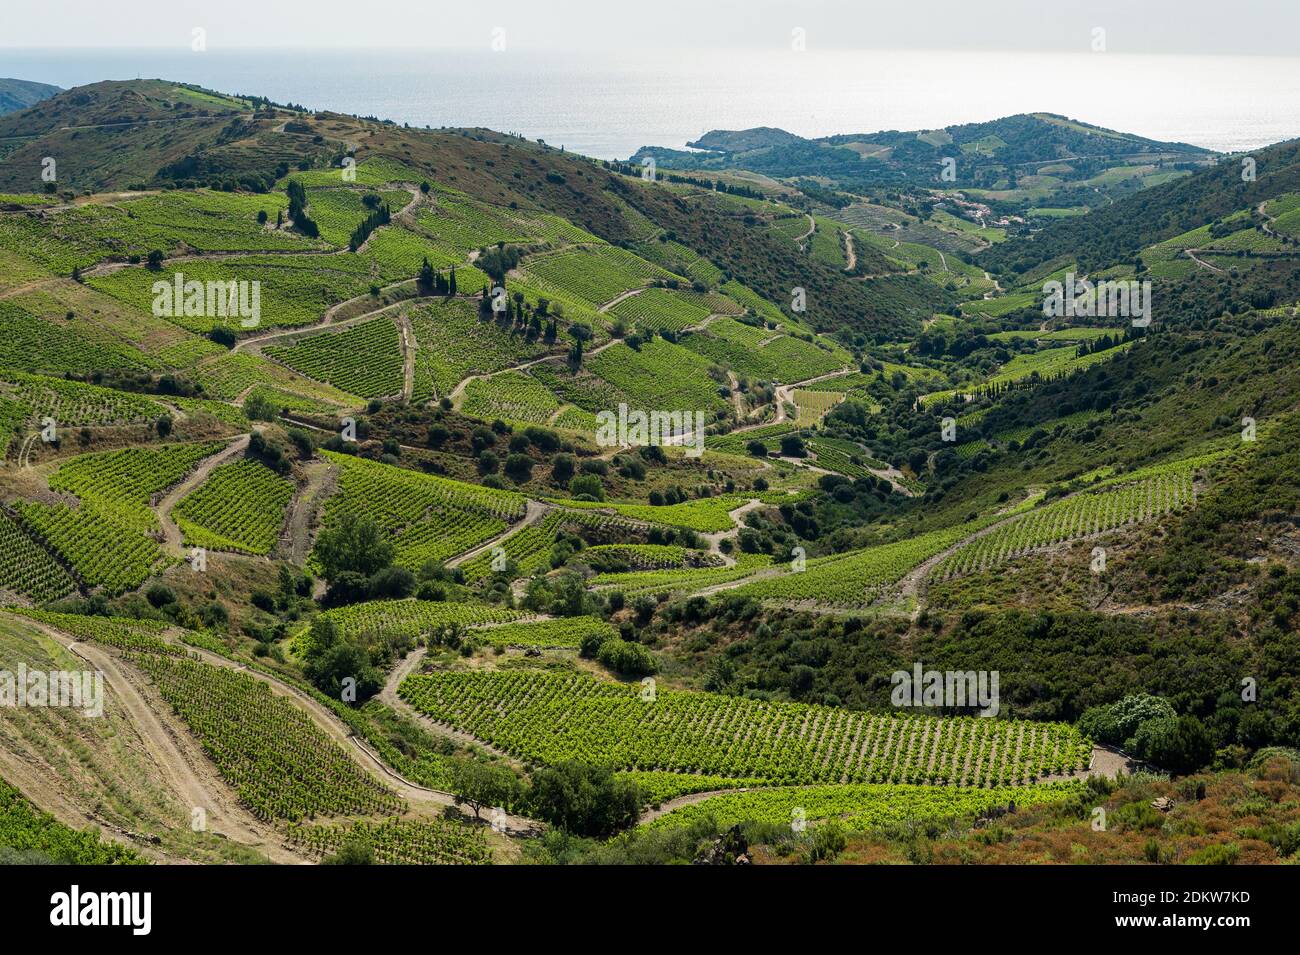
[{"x": 608, "y": 104}]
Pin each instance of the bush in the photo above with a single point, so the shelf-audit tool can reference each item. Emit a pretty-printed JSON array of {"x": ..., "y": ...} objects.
[
  {"x": 627, "y": 659},
  {"x": 587, "y": 487}
]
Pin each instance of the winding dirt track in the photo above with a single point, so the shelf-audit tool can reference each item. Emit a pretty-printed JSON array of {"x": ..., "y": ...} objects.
[
  {"x": 224, "y": 815},
  {"x": 534, "y": 512},
  {"x": 173, "y": 540}
]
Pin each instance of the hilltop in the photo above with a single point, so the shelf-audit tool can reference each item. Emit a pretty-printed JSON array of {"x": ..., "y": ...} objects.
[
  {"x": 1036, "y": 160},
  {"x": 19, "y": 94}
]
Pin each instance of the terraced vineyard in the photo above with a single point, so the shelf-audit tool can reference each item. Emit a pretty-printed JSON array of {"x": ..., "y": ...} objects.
[
  {"x": 863, "y": 807},
  {"x": 28, "y": 832},
  {"x": 762, "y": 354},
  {"x": 279, "y": 762},
  {"x": 121, "y": 633},
  {"x": 293, "y": 290},
  {"x": 363, "y": 359},
  {"x": 687, "y": 580},
  {"x": 660, "y": 375},
  {"x": 549, "y": 718},
  {"x": 510, "y": 396},
  {"x": 430, "y": 518},
  {"x": 858, "y": 577},
  {"x": 399, "y": 841},
  {"x": 414, "y": 619},
  {"x": 565, "y": 633},
  {"x": 1073, "y": 518},
  {"x": 812, "y": 406},
  {"x": 596, "y": 274},
  {"x": 26, "y": 569},
  {"x": 106, "y": 538},
  {"x": 658, "y": 309},
  {"x": 452, "y": 343},
  {"x": 27, "y": 399},
  {"x": 240, "y": 507}
]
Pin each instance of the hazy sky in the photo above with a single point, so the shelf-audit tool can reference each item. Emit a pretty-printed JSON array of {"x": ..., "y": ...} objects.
[{"x": 1132, "y": 26}]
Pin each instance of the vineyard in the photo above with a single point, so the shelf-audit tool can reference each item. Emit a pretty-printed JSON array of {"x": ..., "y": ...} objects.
[
  {"x": 658, "y": 309},
  {"x": 121, "y": 633},
  {"x": 648, "y": 582},
  {"x": 364, "y": 359},
  {"x": 71, "y": 404},
  {"x": 414, "y": 619},
  {"x": 33, "y": 344},
  {"x": 430, "y": 518},
  {"x": 293, "y": 290},
  {"x": 547, "y": 718},
  {"x": 453, "y": 342},
  {"x": 761, "y": 354},
  {"x": 510, "y": 396},
  {"x": 596, "y": 274},
  {"x": 855, "y": 578},
  {"x": 564, "y": 633},
  {"x": 1082, "y": 515},
  {"x": 812, "y": 406},
  {"x": 863, "y": 807},
  {"x": 32, "y": 835},
  {"x": 106, "y": 539},
  {"x": 706, "y": 515},
  {"x": 240, "y": 507},
  {"x": 659, "y": 376},
  {"x": 398, "y": 841},
  {"x": 278, "y": 761},
  {"x": 26, "y": 569}
]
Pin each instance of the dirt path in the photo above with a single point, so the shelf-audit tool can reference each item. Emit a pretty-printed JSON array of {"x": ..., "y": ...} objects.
[
  {"x": 1268, "y": 219},
  {"x": 621, "y": 297},
  {"x": 195, "y": 788},
  {"x": 1191, "y": 254},
  {"x": 321, "y": 480},
  {"x": 34, "y": 286},
  {"x": 172, "y": 537},
  {"x": 850, "y": 252},
  {"x": 812, "y": 227},
  {"x": 533, "y": 513},
  {"x": 783, "y": 396},
  {"x": 408, "y": 355},
  {"x": 737, "y": 516}
]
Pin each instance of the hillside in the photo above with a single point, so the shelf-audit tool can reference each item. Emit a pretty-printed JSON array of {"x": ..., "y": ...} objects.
[
  {"x": 19, "y": 94},
  {"x": 1013, "y": 163},
  {"x": 442, "y": 497}
]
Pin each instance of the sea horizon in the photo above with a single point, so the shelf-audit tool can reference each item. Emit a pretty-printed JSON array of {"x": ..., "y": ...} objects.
[{"x": 1225, "y": 103}]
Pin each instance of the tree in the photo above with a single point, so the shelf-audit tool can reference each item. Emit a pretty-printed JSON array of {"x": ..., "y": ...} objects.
[
  {"x": 518, "y": 466},
  {"x": 562, "y": 468},
  {"x": 584, "y": 800},
  {"x": 330, "y": 668},
  {"x": 163, "y": 425},
  {"x": 357, "y": 544},
  {"x": 587, "y": 487},
  {"x": 792, "y": 446},
  {"x": 482, "y": 785}
]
